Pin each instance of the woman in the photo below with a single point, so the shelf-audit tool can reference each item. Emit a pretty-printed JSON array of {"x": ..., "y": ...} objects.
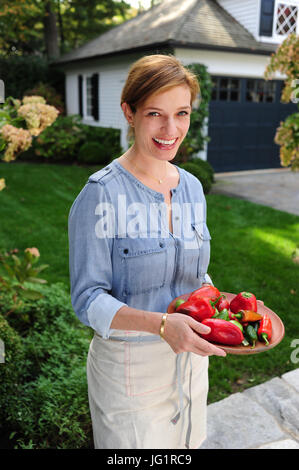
[{"x": 138, "y": 238}]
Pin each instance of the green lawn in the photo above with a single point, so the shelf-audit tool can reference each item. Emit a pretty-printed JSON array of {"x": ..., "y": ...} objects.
[{"x": 251, "y": 249}]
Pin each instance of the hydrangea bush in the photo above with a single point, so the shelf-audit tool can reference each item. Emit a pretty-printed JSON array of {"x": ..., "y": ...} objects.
[
  {"x": 286, "y": 61},
  {"x": 20, "y": 122}
]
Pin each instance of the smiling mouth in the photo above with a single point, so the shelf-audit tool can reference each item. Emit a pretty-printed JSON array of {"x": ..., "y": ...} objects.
[{"x": 165, "y": 142}]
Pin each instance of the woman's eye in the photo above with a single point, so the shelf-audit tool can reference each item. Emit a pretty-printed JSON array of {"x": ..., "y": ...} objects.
[
  {"x": 183, "y": 113},
  {"x": 153, "y": 113}
]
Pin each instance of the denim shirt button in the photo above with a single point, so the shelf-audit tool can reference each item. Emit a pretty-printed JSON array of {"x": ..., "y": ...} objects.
[
  {"x": 162, "y": 245},
  {"x": 126, "y": 251}
]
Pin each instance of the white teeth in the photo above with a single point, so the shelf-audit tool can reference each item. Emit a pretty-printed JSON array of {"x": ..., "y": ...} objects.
[{"x": 165, "y": 142}]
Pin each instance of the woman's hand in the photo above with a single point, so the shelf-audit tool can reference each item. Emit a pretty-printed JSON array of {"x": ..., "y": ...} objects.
[{"x": 181, "y": 333}]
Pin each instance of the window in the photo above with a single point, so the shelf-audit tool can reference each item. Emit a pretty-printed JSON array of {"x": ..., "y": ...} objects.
[
  {"x": 278, "y": 18},
  {"x": 285, "y": 18},
  {"x": 88, "y": 96},
  {"x": 226, "y": 89},
  {"x": 260, "y": 91}
]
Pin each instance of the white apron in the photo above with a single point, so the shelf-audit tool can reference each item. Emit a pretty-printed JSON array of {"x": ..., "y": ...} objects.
[{"x": 144, "y": 396}]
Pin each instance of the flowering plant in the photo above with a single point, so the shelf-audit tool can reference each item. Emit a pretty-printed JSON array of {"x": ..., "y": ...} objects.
[
  {"x": 21, "y": 269},
  {"x": 286, "y": 61},
  {"x": 20, "y": 121}
]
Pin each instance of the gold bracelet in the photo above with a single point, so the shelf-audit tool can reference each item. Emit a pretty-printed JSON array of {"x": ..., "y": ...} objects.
[{"x": 162, "y": 326}]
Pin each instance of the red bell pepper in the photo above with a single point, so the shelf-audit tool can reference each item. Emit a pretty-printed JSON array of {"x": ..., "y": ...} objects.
[
  {"x": 199, "y": 309},
  {"x": 243, "y": 301},
  {"x": 223, "y": 332},
  {"x": 207, "y": 292},
  {"x": 264, "y": 331}
]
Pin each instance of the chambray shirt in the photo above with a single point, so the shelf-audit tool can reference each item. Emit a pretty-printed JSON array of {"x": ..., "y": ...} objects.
[{"x": 121, "y": 251}]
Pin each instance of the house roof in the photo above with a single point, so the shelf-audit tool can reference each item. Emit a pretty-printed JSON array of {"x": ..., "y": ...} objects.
[{"x": 176, "y": 23}]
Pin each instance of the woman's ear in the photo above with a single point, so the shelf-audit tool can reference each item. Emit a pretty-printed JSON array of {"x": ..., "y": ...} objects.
[{"x": 129, "y": 115}]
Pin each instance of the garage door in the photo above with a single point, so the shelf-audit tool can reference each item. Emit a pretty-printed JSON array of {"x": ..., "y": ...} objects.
[{"x": 244, "y": 116}]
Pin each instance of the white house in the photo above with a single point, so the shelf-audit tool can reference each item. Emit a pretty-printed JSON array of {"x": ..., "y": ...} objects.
[{"x": 233, "y": 38}]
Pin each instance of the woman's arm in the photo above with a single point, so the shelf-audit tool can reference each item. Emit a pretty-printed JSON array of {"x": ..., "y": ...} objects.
[{"x": 181, "y": 332}]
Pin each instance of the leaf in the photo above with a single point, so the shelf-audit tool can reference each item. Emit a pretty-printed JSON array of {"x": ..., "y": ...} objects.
[
  {"x": 32, "y": 294},
  {"x": 9, "y": 270},
  {"x": 16, "y": 260},
  {"x": 37, "y": 280}
]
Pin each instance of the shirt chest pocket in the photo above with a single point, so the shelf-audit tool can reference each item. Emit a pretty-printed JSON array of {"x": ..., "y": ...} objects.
[
  {"x": 203, "y": 238},
  {"x": 144, "y": 264}
]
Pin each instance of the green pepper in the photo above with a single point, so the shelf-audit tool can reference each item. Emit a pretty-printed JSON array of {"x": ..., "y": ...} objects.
[
  {"x": 223, "y": 315},
  {"x": 251, "y": 335},
  {"x": 235, "y": 322}
]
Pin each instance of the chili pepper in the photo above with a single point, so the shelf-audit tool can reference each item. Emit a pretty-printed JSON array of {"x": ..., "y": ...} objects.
[
  {"x": 223, "y": 303},
  {"x": 199, "y": 309},
  {"x": 235, "y": 322},
  {"x": 248, "y": 316},
  {"x": 207, "y": 292},
  {"x": 223, "y": 315},
  {"x": 223, "y": 332},
  {"x": 251, "y": 335},
  {"x": 243, "y": 301},
  {"x": 265, "y": 329},
  {"x": 232, "y": 316}
]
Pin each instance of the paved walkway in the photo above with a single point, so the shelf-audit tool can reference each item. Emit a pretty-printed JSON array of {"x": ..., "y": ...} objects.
[
  {"x": 262, "y": 417},
  {"x": 265, "y": 416},
  {"x": 278, "y": 188}
]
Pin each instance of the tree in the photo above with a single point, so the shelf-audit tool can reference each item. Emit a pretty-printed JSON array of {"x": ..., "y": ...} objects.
[
  {"x": 286, "y": 61},
  {"x": 53, "y": 27}
]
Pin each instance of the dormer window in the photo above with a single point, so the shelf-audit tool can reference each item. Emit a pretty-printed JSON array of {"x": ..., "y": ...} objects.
[
  {"x": 286, "y": 18},
  {"x": 279, "y": 18}
]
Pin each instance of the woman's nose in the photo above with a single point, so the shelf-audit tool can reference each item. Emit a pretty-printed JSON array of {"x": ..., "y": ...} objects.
[{"x": 169, "y": 127}]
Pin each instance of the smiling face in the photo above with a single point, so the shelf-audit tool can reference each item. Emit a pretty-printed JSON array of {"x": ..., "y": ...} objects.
[{"x": 161, "y": 122}]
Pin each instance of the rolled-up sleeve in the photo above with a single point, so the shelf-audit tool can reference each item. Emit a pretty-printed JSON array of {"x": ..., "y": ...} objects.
[{"x": 90, "y": 262}]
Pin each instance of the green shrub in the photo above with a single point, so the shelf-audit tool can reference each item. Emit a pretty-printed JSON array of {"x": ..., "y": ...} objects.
[
  {"x": 199, "y": 173},
  {"x": 10, "y": 371},
  {"x": 107, "y": 138},
  {"x": 91, "y": 153},
  {"x": 68, "y": 140},
  {"x": 50, "y": 408},
  {"x": 205, "y": 165},
  {"x": 60, "y": 141},
  {"x": 23, "y": 72}
]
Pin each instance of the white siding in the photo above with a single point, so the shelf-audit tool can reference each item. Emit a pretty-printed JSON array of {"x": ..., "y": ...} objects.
[
  {"x": 246, "y": 12},
  {"x": 71, "y": 94},
  {"x": 112, "y": 76},
  {"x": 227, "y": 63}
]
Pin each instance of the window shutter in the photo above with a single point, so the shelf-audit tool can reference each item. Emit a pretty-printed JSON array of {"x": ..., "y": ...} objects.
[
  {"x": 266, "y": 19},
  {"x": 95, "y": 95},
  {"x": 80, "y": 94}
]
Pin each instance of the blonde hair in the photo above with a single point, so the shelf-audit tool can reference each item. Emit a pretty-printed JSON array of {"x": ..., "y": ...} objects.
[{"x": 155, "y": 73}]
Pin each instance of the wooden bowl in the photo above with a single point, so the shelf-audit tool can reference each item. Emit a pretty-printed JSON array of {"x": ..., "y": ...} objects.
[{"x": 277, "y": 328}]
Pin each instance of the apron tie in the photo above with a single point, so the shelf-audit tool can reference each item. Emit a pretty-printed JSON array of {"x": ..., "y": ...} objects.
[
  {"x": 176, "y": 418},
  {"x": 179, "y": 414}
]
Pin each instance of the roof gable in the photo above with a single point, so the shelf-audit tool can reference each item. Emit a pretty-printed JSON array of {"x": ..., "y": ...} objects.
[{"x": 189, "y": 23}]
